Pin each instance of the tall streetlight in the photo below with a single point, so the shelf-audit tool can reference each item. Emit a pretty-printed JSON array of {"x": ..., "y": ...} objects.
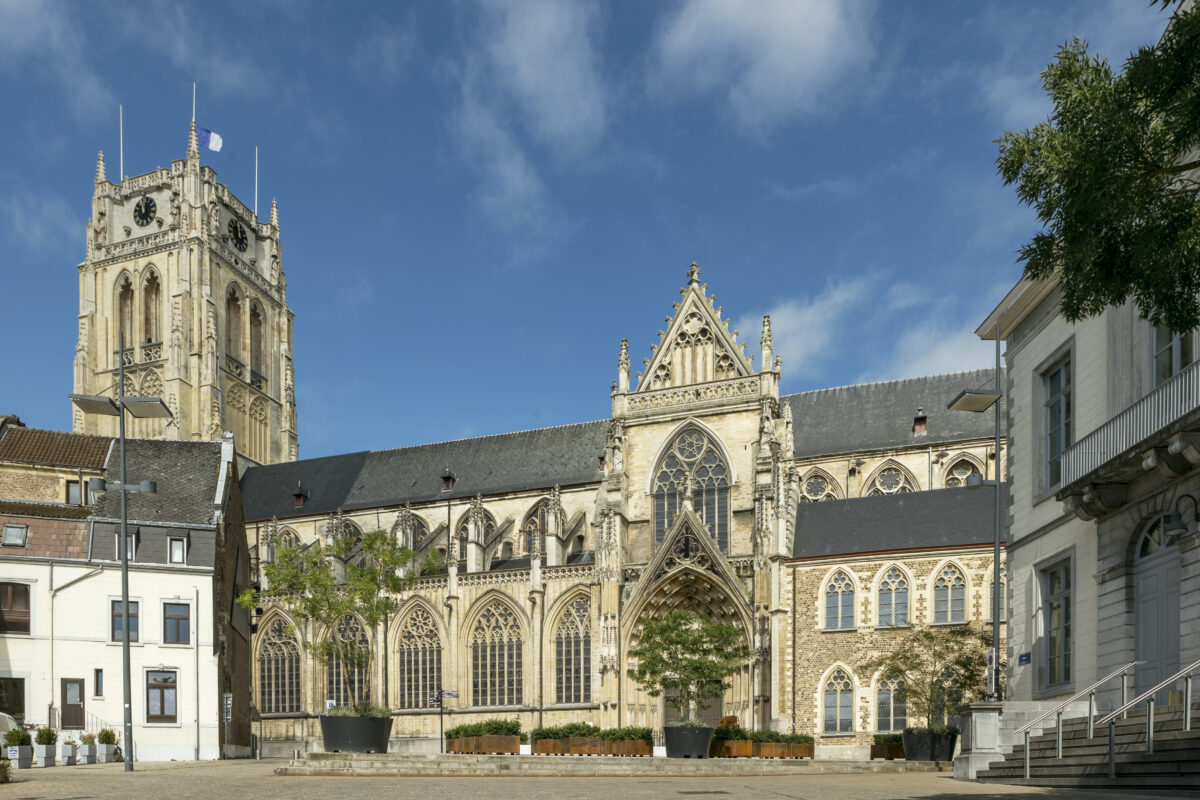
[
  {"x": 979, "y": 401},
  {"x": 141, "y": 408},
  {"x": 448, "y": 481}
]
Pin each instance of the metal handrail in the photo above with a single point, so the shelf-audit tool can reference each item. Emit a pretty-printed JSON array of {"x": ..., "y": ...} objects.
[
  {"x": 1090, "y": 691},
  {"x": 1148, "y": 696}
]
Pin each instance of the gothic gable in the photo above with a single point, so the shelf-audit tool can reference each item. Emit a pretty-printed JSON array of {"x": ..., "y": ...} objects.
[{"x": 697, "y": 346}]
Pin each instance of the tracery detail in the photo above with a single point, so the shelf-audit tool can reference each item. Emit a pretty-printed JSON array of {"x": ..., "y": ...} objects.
[
  {"x": 278, "y": 670},
  {"x": 496, "y": 657},
  {"x": 573, "y": 653},
  {"x": 693, "y": 460},
  {"x": 419, "y": 657}
]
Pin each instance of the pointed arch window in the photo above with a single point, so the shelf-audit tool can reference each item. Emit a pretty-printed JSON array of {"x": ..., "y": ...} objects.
[
  {"x": 125, "y": 316},
  {"x": 257, "y": 367},
  {"x": 233, "y": 330},
  {"x": 839, "y": 603},
  {"x": 496, "y": 657},
  {"x": 959, "y": 472},
  {"x": 419, "y": 656},
  {"x": 537, "y": 525},
  {"x": 817, "y": 488},
  {"x": 284, "y": 538},
  {"x": 839, "y": 703},
  {"x": 694, "y": 459},
  {"x": 949, "y": 596},
  {"x": 258, "y": 445},
  {"x": 278, "y": 670},
  {"x": 573, "y": 654},
  {"x": 488, "y": 527},
  {"x": 348, "y": 679},
  {"x": 891, "y": 715},
  {"x": 891, "y": 480},
  {"x": 151, "y": 305},
  {"x": 893, "y": 599}
]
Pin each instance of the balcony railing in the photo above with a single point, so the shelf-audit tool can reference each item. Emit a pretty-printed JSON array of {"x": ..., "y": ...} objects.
[
  {"x": 1167, "y": 404},
  {"x": 152, "y": 351},
  {"x": 258, "y": 381},
  {"x": 235, "y": 366},
  {"x": 126, "y": 356}
]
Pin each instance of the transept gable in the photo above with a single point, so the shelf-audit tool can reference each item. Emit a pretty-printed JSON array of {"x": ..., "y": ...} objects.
[{"x": 697, "y": 346}]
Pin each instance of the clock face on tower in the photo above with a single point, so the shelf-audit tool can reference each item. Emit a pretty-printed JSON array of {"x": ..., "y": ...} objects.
[
  {"x": 143, "y": 212},
  {"x": 237, "y": 235}
]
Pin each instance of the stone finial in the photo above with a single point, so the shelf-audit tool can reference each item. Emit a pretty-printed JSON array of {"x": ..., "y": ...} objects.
[
  {"x": 693, "y": 275},
  {"x": 768, "y": 342},
  {"x": 101, "y": 176},
  {"x": 193, "y": 143},
  {"x": 623, "y": 367},
  {"x": 274, "y": 212}
]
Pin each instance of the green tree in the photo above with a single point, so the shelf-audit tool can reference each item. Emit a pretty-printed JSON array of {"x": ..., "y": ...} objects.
[
  {"x": 940, "y": 668},
  {"x": 687, "y": 659},
  {"x": 348, "y": 575},
  {"x": 1113, "y": 176}
]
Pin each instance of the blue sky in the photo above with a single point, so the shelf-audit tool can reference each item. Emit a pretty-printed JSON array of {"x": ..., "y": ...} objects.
[{"x": 479, "y": 200}]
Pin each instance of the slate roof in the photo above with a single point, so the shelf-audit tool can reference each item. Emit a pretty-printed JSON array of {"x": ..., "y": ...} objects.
[
  {"x": 27, "y": 508},
  {"x": 186, "y": 473},
  {"x": 933, "y": 519},
  {"x": 37, "y": 446},
  {"x": 526, "y": 460},
  {"x": 879, "y": 416}
]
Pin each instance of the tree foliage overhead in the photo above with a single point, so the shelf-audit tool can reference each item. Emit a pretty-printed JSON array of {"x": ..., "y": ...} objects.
[
  {"x": 687, "y": 659},
  {"x": 1114, "y": 175}
]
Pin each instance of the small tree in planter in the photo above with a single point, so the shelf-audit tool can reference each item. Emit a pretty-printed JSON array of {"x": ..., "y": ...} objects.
[
  {"x": 106, "y": 750},
  {"x": 20, "y": 748},
  {"x": 66, "y": 752},
  {"x": 687, "y": 660},
  {"x": 940, "y": 668},
  {"x": 348, "y": 576},
  {"x": 43, "y": 747},
  {"x": 87, "y": 749}
]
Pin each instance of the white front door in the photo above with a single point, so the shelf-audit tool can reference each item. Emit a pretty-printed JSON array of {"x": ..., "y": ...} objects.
[{"x": 1156, "y": 607}]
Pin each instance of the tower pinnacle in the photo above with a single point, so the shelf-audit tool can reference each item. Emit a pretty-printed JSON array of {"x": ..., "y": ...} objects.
[
  {"x": 100, "y": 173},
  {"x": 274, "y": 212},
  {"x": 693, "y": 275},
  {"x": 193, "y": 144}
]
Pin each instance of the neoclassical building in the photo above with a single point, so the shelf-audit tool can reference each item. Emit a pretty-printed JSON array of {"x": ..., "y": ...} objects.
[{"x": 696, "y": 493}]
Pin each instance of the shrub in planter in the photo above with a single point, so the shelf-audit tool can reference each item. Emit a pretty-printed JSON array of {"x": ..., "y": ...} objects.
[
  {"x": 44, "y": 751},
  {"x": 768, "y": 744},
  {"x": 799, "y": 745},
  {"x": 20, "y": 748},
  {"x": 686, "y": 660},
  {"x": 106, "y": 748},
  {"x": 352, "y": 578},
  {"x": 938, "y": 669},
  {"x": 731, "y": 741},
  {"x": 66, "y": 752},
  {"x": 632, "y": 741},
  {"x": 5, "y": 770},
  {"x": 888, "y": 746},
  {"x": 489, "y": 736}
]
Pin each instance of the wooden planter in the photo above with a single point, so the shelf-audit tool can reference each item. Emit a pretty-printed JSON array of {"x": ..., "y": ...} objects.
[
  {"x": 770, "y": 750},
  {"x": 731, "y": 748},
  {"x": 887, "y": 751},
  {"x": 583, "y": 746},
  {"x": 547, "y": 747},
  {"x": 629, "y": 747},
  {"x": 510, "y": 745},
  {"x": 802, "y": 750}
]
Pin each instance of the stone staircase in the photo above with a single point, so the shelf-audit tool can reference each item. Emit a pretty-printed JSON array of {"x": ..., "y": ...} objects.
[
  {"x": 415, "y": 765},
  {"x": 1174, "y": 764}
]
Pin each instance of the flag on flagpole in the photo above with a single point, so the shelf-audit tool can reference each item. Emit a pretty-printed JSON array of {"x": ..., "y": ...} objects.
[{"x": 210, "y": 139}]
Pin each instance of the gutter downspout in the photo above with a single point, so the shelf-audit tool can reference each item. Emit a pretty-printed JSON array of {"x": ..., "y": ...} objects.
[
  {"x": 196, "y": 663},
  {"x": 54, "y": 592},
  {"x": 793, "y": 637}
]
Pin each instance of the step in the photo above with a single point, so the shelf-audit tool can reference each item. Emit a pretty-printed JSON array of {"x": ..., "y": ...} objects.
[{"x": 1177, "y": 783}]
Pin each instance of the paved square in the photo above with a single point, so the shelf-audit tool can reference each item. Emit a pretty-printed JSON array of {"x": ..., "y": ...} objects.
[{"x": 254, "y": 779}]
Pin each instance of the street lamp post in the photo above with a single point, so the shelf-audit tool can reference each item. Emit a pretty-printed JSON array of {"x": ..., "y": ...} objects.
[
  {"x": 140, "y": 407},
  {"x": 979, "y": 401},
  {"x": 448, "y": 481}
]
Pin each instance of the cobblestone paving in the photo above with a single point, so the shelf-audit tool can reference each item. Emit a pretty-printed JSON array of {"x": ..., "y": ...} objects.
[{"x": 254, "y": 780}]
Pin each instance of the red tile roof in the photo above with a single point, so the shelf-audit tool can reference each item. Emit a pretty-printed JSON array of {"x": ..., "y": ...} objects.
[{"x": 35, "y": 446}]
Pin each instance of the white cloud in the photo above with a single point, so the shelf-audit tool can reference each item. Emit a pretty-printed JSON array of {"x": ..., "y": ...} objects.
[
  {"x": 771, "y": 61},
  {"x": 929, "y": 348},
  {"x": 543, "y": 54},
  {"x": 808, "y": 333},
  {"x": 384, "y": 52},
  {"x": 41, "y": 221},
  {"x": 177, "y": 33}
]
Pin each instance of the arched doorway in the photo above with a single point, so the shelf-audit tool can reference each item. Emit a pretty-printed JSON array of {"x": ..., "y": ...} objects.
[{"x": 1156, "y": 606}]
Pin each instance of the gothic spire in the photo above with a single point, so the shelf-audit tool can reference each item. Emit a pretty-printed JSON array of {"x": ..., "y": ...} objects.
[
  {"x": 193, "y": 144},
  {"x": 768, "y": 342},
  {"x": 623, "y": 367},
  {"x": 100, "y": 173},
  {"x": 274, "y": 212}
]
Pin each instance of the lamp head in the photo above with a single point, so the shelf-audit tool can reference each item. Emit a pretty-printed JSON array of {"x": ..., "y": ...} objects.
[{"x": 974, "y": 480}]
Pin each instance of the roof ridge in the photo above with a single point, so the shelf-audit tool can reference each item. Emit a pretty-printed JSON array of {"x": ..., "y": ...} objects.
[
  {"x": 42, "y": 502},
  {"x": 894, "y": 380},
  {"x": 61, "y": 433},
  {"x": 487, "y": 436}
]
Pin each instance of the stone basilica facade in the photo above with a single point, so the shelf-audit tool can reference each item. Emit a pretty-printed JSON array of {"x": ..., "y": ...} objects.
[{"x": 807, "y": 521}]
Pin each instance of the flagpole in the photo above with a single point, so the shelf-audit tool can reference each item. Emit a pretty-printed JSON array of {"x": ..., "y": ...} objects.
[
  {"x": 256, "y": 184},
  {"x": 121, "y": 160},
  {"x": 193, "y": 101}
]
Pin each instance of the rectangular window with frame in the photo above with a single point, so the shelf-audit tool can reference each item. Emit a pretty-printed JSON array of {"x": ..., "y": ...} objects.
[
  {"x": 176, "y": 619},
  {"x": 15, "y": 535},
  {"x": 12, "y": 698},
  {"x": 177, "y": 550},
  {"x": 131, "y": 544},
  {"x": 14, "y": 608},
  {"x": 77, "y": 493},
  {"x": 1057, "y": 388},
  {"x": 98, "y": 683},
  {"x": 118, "y": 631},
  {"x": 1172, "y": 352},
  {"x": 161, "y": 696},
  {"x": 1056, "y": 620}
]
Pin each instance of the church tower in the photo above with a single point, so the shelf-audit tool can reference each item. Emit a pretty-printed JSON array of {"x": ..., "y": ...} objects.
[{"x": 194, "y": 282}]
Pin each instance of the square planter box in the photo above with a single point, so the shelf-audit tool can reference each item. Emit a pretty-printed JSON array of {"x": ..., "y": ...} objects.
[
  {"x": 43, "y": 755},
  {"x": 20, "y": 756},
  {"x": 106, "y": 753},
  {"x": 66, "y": 754},
  {"x": 584, "y": 746},
  {"x": 547, "y": 747},
  {"x": 87, "y": 754},
  {"x": 800, "y": 750},
  {"x": 510, "y": 745},
  {"x": 629, "y": 747},
  {"x": 887, "y": 751},
  {"x": 731, "y": 748},
  {"x": 770, "y": 750}
]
